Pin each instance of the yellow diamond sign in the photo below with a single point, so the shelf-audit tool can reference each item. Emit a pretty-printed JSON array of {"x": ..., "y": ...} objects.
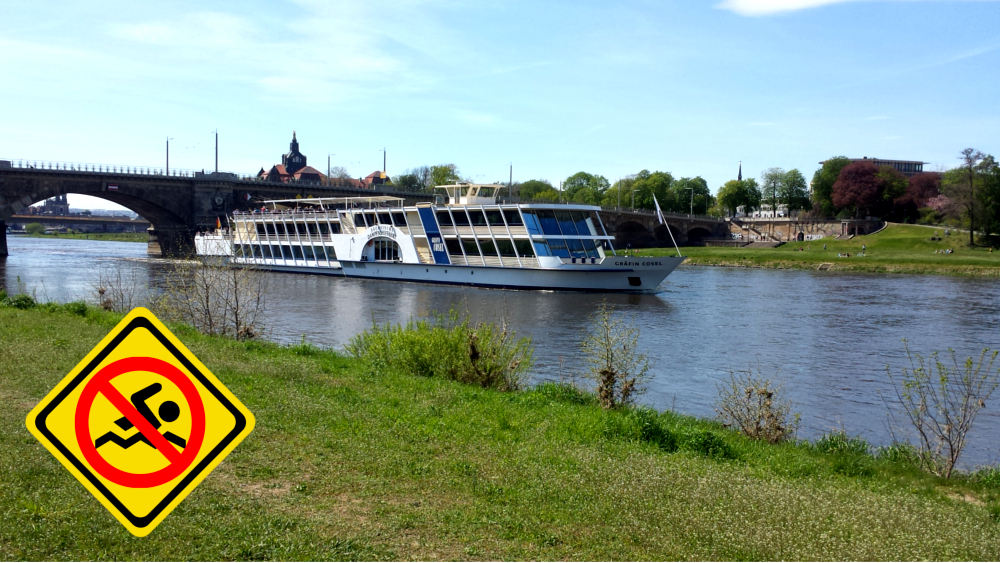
[{"x": 140, "y": 422}]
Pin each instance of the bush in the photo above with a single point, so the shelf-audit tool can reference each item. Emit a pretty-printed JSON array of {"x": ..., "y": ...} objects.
[
  {"x": 34, "y": 229},
  {"x": 612, "y": 351},
  {"x": 942, "y": 401},
  {"x": 640, "y": 425},
  {"x": 754, "y": 406},
  {"x": 838, "y": 442},
  {"x": 485, "y": 354},
  {"x": 20, "y": 301},
  {"x": 706, "y": 443}
]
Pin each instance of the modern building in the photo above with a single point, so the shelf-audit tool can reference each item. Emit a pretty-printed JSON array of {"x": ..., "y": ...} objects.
[{"x": 906, "y": 167}]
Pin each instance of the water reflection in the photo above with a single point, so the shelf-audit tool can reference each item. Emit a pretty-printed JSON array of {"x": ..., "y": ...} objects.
[{"x": 831, "y": 335}]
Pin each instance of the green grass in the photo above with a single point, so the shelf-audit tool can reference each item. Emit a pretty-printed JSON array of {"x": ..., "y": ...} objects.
[
  {"x": 119, "y": 237},
  {"x": 349, "y": 464},
  {"x": 897, "y": 249}
]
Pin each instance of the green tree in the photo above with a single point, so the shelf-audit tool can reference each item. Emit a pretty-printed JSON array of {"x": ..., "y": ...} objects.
[
  {"x": 961, "y": 185},
  {"x": 688, "y": 189},
  {"x": 989, "y": 173},
  {"x": 644, "y": 186},
  {"x": 892, "y": 188},
  {"x": 822, "y": 184},
  {"x": 444, "y": 174},
  {"x": 739, "y": 193},
  {"x": 794, "y": 192},
  {"x": 34, "y": 229},
  {"x": 529, "y": 190},
  {"x": 582, "y": 180},
  {"x": 770, "y": 186}
]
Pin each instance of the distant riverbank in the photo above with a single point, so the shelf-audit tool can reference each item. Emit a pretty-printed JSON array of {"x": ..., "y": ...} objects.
[
  {"x": 117, "y": 237},
  {"x": 900, "y": 249}
]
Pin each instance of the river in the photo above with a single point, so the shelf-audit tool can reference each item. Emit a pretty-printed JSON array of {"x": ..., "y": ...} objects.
[{"x": 829, "y": 336}]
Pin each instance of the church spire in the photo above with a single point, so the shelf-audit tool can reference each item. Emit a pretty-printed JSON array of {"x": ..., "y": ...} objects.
[{"x": 739, "y": 176}]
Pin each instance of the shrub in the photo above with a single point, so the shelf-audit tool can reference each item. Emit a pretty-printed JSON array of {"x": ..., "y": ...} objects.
[
  {"x": 838, "y": 442},
  {"x": 615, "y": 363},
  {"x": 485, "y": 354},
  {"x": 754, "y": 406},
  {"x": 942, "y": 402},
  {"x": 34, "y": 229},
  {"x": 20, "y": 301},
  {"x": 706, "y": 443}
]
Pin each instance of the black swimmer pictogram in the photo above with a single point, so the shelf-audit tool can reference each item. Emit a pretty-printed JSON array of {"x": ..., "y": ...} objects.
[{"x": 168, "y": 411}]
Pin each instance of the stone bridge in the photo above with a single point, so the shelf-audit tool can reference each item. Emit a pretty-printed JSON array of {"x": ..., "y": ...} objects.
[
  {"x": 641, "y": 228},
  {"x": 177, "y": 205}
]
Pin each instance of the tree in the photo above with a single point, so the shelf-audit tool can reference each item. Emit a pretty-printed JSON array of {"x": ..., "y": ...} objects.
[
  {"x": 530, "y": 189},
  {"x": 822, "y": 184},
  {"x": 739, "y": 193},
  {"x": 892, "y": 186},
  {"x": 444, "y": 174},
  {"x": 582, "y": 180},
  {"x": 683, "y": 189},
  {"x": 643, "y": 186},
  {"x": 793, "y": 191},
  {"x": 920, "y": 188},
  {"x": 960, "y": 185},
  {"x": 770, "y": 186},
  {"x": 616, "y": 363},
  {"x": 989, "y": 173},
  {"x": 34, "y": 229},
  {"x": 857, "y": 187},
  {"x": 339, "y": 172}
]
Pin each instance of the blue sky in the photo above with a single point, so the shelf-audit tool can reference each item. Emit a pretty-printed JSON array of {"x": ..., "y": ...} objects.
[{"x": 692, "y": 88}]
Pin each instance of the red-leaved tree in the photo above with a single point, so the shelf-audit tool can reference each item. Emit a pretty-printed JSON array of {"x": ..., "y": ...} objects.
[
  {"x": 857, "y": 187},
  {"x": 919, "y": 190}
]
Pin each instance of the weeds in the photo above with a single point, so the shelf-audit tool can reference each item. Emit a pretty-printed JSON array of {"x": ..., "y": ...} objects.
[
  {"x": 754, "y": 406},
  {"x": 838, "y": 442},
  {"x": 942, "y": 402},
  {"x": 484, "y": 354},
  {"x": 119, "y": 287},
  {"x": 611, "y": 349}
]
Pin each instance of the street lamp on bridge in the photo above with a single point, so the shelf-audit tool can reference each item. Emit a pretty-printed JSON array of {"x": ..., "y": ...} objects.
[{"x": 168, "y": 154}]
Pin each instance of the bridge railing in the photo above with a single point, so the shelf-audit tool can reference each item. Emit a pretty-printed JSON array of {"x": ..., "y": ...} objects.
[{"x": 94, "y": 167}]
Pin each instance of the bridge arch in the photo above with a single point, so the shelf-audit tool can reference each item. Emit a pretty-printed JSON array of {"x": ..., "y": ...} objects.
[
  {"x": 634, "y": 234},
  {"x": 698, "y": 235}
]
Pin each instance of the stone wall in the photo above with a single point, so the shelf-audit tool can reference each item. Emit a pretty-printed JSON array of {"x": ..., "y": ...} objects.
[{"x": 789, "y": 229}]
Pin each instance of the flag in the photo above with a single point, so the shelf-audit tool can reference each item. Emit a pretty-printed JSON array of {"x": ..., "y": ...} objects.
[
  {"x": 218, "y": 223},
  {"x": 246, "y": 197},
  {"x": 658, "y": 212}
]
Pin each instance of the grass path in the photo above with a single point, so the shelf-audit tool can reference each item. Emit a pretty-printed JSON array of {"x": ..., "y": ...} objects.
[
  {"x": 896, "y": 249},
  {"x": 346, "y": 464},
  {"x": 119, "y": 237}
]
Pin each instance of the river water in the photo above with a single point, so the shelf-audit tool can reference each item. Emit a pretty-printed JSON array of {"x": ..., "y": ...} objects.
[{"x": 829, "y": 336}]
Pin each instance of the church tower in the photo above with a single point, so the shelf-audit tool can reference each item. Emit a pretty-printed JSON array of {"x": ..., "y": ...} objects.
[{"x": 294, "y": 160}]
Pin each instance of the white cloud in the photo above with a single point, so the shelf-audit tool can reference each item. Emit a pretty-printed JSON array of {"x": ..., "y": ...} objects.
[{"x": 765, "y": 7}]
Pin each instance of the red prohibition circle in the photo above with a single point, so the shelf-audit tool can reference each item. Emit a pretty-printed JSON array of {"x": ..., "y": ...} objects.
[{"x": 102, "y": 380}]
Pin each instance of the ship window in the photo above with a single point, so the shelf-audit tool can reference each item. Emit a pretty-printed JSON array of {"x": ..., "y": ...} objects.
[
  {"x": 261, "y": 229},
  {"x": 359, "y": 220},
  {"x": 444, "y": 219},
  {"x": 531, "y": 222},
  {"x": 286, "y": 251},
  {"x": 477, "y": 218},
  {"x": 580, "y": 218},
  {"x": 385, "y": 218},
  {"x": 489, "y": 249},
  {"x": 575, "y": 247},
  {"x": 331, "y": 252},
  {"x": 461, "y": 219},
  {"x": 558, "y": 247},
  {"x": 386, "y": 251},
  {"x": 370, "y": 217},
  {"x": 256, "y": 251},
  {"x": 523, "y": 247},
  {"x": 279, "y": 228},
  {"x": 265, "y": 251},
  {"x": 399, "y": 219},
  {"x": 566, "y": 223},
  {"x": 495, "y": 218},
  {"x": 454, "y": 247},
  {"x": 513, "y": 217},
  {"x": 506, "y": 248},
  {"x": 547, "y": 218},
  {"x": 591, "y": 249},
  {"x": 470, "y": 247},
  {"x": 542, "y": 248},
  {"x": 598, "y": 226},
  {"x": 307, "y": 253},
  {"x": 335, "y": 228}
]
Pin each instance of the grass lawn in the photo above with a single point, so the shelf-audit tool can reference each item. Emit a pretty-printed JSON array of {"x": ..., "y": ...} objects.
[
  {"x": 898, "y": 248},
  {"x": 349, "y": 464},
  {"x": 120, "y": 237}
]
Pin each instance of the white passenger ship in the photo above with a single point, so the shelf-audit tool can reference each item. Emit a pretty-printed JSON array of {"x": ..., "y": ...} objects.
[{"x": 470, "y": 240}]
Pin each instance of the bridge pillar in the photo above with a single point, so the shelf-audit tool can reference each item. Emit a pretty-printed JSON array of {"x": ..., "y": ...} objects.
[
  {"x": 170, "y": 243},
  {"x": 3, "y": 238}
]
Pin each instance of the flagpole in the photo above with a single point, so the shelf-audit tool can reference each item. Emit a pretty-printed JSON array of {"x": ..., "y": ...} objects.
[{"x": 659, "y": 214}]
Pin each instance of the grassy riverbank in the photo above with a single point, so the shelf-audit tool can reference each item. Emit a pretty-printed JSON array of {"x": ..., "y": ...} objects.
[
  {"x": 119, "y": 237},
  {"x": 897, "y": 249},
  {"x": 346, "y": 464}
]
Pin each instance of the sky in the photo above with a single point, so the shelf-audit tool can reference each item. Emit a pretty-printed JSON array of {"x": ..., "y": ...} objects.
[{"x": 550, "y": 88}]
